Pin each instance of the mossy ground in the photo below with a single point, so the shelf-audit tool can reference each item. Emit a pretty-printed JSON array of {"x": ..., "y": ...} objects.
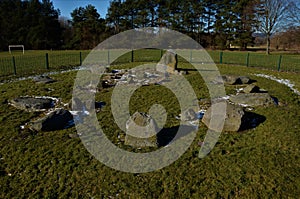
[{"x": 259, "y": 163}]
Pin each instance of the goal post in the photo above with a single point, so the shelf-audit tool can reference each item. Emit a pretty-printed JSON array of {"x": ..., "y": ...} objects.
[{"x": 16, "y": 46}]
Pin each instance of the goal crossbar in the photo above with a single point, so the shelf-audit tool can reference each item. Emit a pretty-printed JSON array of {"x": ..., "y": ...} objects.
[{"x": 15, "y": 46}]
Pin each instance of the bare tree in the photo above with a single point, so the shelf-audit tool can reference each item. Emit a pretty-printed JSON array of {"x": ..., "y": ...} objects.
[
  {"x": 295, "y": 12},
  {"x": 272, "y": 15}
]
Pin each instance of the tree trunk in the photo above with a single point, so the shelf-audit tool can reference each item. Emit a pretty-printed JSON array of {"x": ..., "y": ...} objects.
[{"x": 268, "y": 44}]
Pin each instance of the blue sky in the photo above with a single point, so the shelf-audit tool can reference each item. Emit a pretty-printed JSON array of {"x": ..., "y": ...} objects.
[{"x": 67, "y": 6}]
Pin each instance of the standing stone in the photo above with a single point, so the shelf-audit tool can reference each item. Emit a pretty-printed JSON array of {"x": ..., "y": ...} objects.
[
  {"x": 233, "y": 119},
  {"x": 168, "y": 63},
  {"x": 145, "y": 129}
]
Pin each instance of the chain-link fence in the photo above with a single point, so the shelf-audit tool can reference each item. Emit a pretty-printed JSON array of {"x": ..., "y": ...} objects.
[{"x": 22, "y": 65}]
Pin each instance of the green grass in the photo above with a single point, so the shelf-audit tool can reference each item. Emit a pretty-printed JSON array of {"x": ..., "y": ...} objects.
[
  {"x": 260, "y": 163},
  {"x": 34, "y": 62}
]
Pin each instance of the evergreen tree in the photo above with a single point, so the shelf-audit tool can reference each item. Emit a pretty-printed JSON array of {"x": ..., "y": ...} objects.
[
  {"x": 87, "y": 27},
  {"x": 32, "y": 23},
  {"x": 245, "y": 23}
]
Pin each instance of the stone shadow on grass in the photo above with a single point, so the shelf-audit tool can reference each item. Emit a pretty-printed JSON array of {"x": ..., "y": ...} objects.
[
  {"x": 251, "y": 120},
  {"x": 167, "y": 135}
]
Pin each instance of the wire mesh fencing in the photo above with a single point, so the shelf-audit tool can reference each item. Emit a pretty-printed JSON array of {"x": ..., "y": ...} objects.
[{"x": 20, "y": 65}]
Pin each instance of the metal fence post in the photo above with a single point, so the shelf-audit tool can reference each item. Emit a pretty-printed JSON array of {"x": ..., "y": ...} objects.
[
  {"x": 279, "y": 62},
  {"x": 221, "y": 57},
  {"x": 132, "y": 58},
  {"x": 108, "y": 58},
  {"x": 247, "y": 59},
  {"x": 14, "y": 65},
  {"x": 80, "y": 58},
  {"x": 47, "y": 61}
]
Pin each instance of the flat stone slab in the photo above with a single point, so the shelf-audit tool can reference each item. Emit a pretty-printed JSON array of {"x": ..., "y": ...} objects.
[
  {"x": 33, "y": 104},
  {"x": 141, "y": 142},
  {"x": 56, "y": 120},
  {"x": 233, "y": 80},
  {"x": 252, "y": 99}
]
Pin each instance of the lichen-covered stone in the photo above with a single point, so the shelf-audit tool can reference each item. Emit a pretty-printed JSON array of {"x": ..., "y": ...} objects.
[
  {"x": 233, "y": 118},
  {"x": 32, "y": 104},
  {"x": 253, "y": 99},
  {"x": 141, "y": 131}
]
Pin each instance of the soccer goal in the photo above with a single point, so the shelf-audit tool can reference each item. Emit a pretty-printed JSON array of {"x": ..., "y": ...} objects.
[{"x": 16, "y": 46}]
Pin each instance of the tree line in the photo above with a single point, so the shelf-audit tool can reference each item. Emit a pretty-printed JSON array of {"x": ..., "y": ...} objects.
[{"x": 213, "y": 23}]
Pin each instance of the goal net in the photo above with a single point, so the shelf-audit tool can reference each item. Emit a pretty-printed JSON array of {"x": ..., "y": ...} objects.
[{"x": 16, "y": 46}]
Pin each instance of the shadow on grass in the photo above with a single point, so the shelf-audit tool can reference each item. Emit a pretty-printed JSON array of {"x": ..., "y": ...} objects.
[
  {"x": 251, "y": 120},
  {"x": 167, "y": 135},
  {"x": 192, "y": 69}
]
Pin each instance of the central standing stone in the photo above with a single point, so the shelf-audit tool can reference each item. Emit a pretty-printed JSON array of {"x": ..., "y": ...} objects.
[{"x": 168, "y": 63}]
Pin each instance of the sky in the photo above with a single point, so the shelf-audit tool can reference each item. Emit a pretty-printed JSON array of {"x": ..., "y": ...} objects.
[{"x": 67, "y": 6}]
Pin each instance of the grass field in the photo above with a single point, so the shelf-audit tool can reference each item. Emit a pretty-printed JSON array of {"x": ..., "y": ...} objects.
[
  {"x": 33, "y": 62},
  {"x": 260, "y": 163}
]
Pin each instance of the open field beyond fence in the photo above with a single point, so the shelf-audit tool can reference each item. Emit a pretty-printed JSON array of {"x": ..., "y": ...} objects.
[{"x": 35, "y": 62}]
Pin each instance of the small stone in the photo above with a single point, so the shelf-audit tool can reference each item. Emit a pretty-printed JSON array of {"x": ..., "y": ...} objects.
[
  {"x": 233, "y": 80},
  {"x": 189, "y": 115},
  {"x": 43, "y": 79},
  {"x": 244, "y": 80},
  {"x": 251, "y": 89},
  {"x": 183, "y": 72},
  {"x": 227, "y": 79}
]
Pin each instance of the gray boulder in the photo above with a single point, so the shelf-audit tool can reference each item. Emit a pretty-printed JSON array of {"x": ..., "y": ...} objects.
[
  {"x": 233, "y": 119},
  {"x": 56, "y": 120},
  {"x": 32, "y": 103},
  {"x": 252, "y": 99},
  {"x": 141, "y": 131}
]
